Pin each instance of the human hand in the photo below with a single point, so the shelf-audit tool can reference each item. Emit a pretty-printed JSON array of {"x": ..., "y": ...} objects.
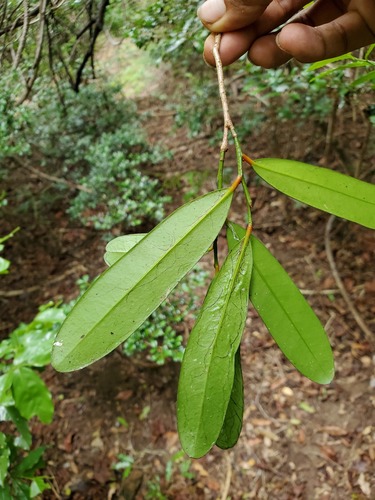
[{"x": 327, "y": 29}]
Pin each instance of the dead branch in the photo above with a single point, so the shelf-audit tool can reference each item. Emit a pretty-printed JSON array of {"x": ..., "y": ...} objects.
[
  {"x": 38, "y": 52},
  {"x": 57, "y": 180},
  {"x": 50, "y": 36},
  {"x": 25, "y": 29},
  {"x": 78, "y": 269},
  {"x": 98, "y": 27},
  {"x": 356, "y": 315},
  {"x": 228, "y": 478}
]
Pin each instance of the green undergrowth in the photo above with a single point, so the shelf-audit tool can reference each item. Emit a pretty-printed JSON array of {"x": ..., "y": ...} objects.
[{"x": 91, "y": 147}]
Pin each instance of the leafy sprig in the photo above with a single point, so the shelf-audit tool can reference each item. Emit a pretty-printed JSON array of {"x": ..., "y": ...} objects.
[{"x": 210, "y": 394}]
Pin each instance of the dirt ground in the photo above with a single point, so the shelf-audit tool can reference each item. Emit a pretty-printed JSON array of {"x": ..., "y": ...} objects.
[{"x": 299, "y": 440}]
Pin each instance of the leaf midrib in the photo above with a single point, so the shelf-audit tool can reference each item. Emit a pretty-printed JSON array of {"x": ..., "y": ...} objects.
[
  {"x": 287, "y": 314},
  {"x": 227, "y": 300},
  {"x": 302, "y": 181},
  {"x": 139, "y": 282}
]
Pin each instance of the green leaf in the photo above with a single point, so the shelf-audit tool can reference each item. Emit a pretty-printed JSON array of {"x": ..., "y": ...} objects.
[
  {"x": 124, "y": 463},
  {"x": 116, "y": 248},
  {"x": 4, "y": 265},
  {"x": 120, "y": 300},
  {"x": 285, "y": 312},
  {"x": 306, "y": 407},
  {"x": 369, "y": 50},
  {"x": 31, "y": 395},
  {"x": 5, "y": 385},
  {"x": 367, "y": 77},
  {"x": 20, "y": 490},
  {"x": 207, "y": 371},
  {"x": 325, "y": 62},
  {"x": 4, "y": 458},
  {"x": 30, "y": 463},
  {"x": 321, "y": 188},
  {"x": 231, "y": 430},
  {"x": 5, "y": 493},
  {"x": 38, "y": 485},
  {"x": 31, "y": 344},
  {"x": 25, "y": 438}
]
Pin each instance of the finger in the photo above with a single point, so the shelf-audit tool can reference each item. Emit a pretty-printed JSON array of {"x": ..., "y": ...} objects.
[
  {"x": 279, "y": 12},
  {"x": 308, "y": 44},
  {"x": 305, "y": 43},
  {"x": 234, "y": 44},
  {"x": 230, "y": 15},
  {"x": 265, "y": 52}
]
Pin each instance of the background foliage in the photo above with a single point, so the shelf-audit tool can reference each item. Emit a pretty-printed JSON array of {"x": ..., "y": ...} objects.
[{"x": 62, "y": 121}]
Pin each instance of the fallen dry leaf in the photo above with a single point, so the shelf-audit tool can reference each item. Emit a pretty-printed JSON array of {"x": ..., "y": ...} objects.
[
  {"x": 198, "y": 467},
  {"x": 124, "y": 395},
  {"x": 333, "y": 430}
]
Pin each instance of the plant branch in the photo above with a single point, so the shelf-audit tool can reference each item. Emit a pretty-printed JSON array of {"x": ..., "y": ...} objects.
[
  {"x": 22, "y": 41},
  {"x": 97, "y": 28},
  {"x": 358, "y": 318},
  {"x": 38, "y": 52},
  {"x": 228, "y": 124},
  {"x": 52, "y": 178},
  {"x": 228, "y": 127}
]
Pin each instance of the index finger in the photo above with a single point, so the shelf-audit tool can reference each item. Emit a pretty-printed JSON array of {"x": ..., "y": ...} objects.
[{"x": 220, "y": 16}]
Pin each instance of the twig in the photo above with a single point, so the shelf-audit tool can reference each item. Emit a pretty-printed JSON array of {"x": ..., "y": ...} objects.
[
  {"x": 262, "y": 410},
  {"x": 98, "y": 27},
  {"x": 364, "y": 147},
  {"x": 38, "y": 52},
  {"x": 329, "y": 291},
  {"x": 57, "y": 180},
  {"x": 22, "y": 41},
  {"x": 228, "y": 124},
  {"x": 228, "y": 478},
  {"x": 18, "y": 293},
  {"x": 358, "y": 318},
  {"x": 331, "y": 127}
]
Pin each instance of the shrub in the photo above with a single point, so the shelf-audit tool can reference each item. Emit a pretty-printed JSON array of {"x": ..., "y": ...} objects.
[
  {"x": 161, "y": 335},
  {"x": 23, "y": 395},
  {"x": 93, "y": 143}
]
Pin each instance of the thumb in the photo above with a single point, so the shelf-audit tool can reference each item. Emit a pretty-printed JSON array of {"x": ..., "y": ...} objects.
[{"x": 230, "y": 15}]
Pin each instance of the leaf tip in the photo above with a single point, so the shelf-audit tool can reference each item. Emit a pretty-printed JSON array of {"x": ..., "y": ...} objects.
[
  {"x": 325, "y": 378},
  {"x": 59, "y": 361}
]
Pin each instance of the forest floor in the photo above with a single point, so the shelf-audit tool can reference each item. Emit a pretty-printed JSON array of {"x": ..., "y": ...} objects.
[{"x": 299, "y": 440}]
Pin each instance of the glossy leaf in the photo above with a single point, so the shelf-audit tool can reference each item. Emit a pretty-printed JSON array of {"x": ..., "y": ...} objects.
[
  {"x": 325, "y": 189},
  {"x": 25, "y": 438},
  {"x": 121, "y": 245},
  {"x": 326, "y": 62},
  {"x": 5, "y": 385},
  {"x": 288, "y": 317},
  {"x": 207, "y": 371},
  {"x": 369, "y": 76},
  {"x": 231, "y": 430},
  {"x": 4, "y": 458},
  {"x": 31, "y": 462},
  {"x": 120, "y": 300},
  {"x": 31, "y": 396},
  {"x": 34, "y": 347},
  {"x": 37, "y": 486}
]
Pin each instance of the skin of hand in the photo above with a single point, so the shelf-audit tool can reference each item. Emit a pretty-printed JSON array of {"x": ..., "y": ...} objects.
[{"x": 274, "y": 31}]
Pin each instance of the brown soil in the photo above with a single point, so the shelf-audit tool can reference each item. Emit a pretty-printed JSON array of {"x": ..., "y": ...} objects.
[{"x": 299, "y": 440}]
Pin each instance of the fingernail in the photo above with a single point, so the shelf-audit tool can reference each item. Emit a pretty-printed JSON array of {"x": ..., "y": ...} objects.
[
  {"x": 277, "y": 40},
  {"x": 207, "y": 63},
  {"x": 211, "y": 11}
]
